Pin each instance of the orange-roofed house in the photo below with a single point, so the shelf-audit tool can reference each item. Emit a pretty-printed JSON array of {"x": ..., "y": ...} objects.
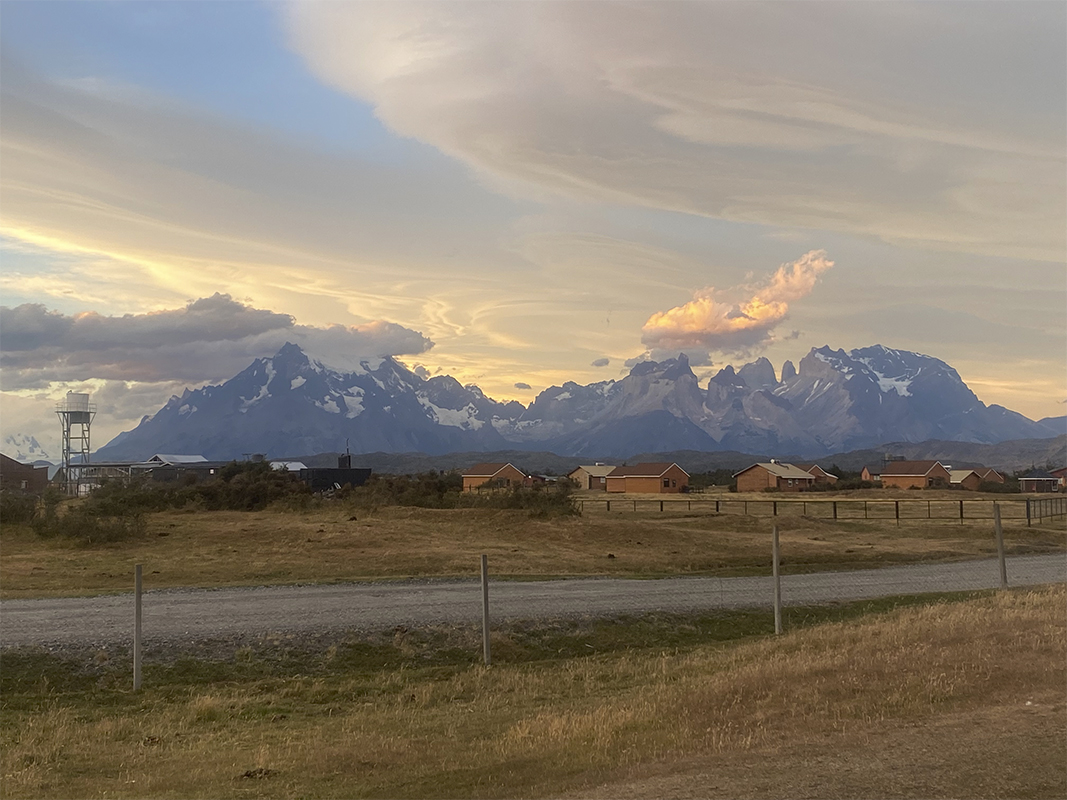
[
  {"x": 657, "y": 477},
  {"x": 492, "y": 475},
  {"x": 914, "y": 475}
]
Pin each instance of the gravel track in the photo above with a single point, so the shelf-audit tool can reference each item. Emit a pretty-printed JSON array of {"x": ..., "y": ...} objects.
[{"x": 176, "y": 616}]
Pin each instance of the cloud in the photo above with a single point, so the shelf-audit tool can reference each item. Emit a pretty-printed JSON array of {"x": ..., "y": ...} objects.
[
  {"x": 524, "y": 386},
  {"x": 714, "y": 321},
  {"x": 805, "y": 117},
  {"x": 601, "y": 362},
  {"x": 209, "y": 339}
]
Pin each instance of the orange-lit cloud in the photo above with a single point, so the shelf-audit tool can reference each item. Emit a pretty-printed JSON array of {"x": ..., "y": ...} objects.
[{"x": 714, "y": 322}]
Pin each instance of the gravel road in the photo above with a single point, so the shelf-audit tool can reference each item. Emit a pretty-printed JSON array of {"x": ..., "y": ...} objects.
[{"x": 187, "y": 615}]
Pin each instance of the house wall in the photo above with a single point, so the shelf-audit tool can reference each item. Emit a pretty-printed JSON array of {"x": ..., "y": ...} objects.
[
  {"x": 793, "y": 484},
  {"x": 867, "y": 475},
  {"x": 587, "y": 481},
  {"x": 971, "y": 482},
  {"x": 21, "y": 477},
  {"x": 755, "y": 479}
]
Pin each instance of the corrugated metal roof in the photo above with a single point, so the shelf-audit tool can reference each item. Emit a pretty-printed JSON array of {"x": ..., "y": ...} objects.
[
  {"x": 487, "y": 470},
  {"x": 780, "y": 470},
  {"x": 171, "y": 458},
  {"x": 651, "y": 469},
  {"x": 596, "y": 470},
  {"x": 910, "y": 468}
]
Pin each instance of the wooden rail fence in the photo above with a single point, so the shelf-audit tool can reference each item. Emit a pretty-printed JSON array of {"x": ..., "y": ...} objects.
[{"x": 1030, "y": 509}]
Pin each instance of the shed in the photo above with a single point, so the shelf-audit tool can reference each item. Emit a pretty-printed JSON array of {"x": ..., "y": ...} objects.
[
  {"x": 1037, "y": 480},
  {"x": 871, "y": 474},
  {"x": 964, "y": 479},
  {"x": 821, "y": 475},
  {"x": 592, "y": 476}
]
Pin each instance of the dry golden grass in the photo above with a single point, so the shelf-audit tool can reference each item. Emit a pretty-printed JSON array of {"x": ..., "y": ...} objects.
[
  {"x": 268, "y": 547},
  {"x": 617, "y": 721}
]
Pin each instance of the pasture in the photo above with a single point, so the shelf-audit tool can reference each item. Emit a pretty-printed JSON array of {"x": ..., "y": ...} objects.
[{"x": 334, "y": 543}]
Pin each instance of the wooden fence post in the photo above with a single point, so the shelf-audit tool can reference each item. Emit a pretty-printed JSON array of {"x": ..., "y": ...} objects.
[
  {"x": 485, "y": 611},
  {"x": 137, "y": 627},
  {"x": 835, "y": 509},
  {"x": 777, "y": 583},
  {"x": 1000, "y": 546},
  {"x": 661, "y": 505},
  {"x": 1027, "y": 512},
  {"x": 961, "y": 512}
]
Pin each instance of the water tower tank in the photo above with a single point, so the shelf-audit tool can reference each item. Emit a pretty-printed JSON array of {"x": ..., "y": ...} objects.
[{"x": 78, "y": 406}]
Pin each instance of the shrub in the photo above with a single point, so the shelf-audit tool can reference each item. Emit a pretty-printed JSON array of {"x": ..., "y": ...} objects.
[{"x": 17, "y": 508}]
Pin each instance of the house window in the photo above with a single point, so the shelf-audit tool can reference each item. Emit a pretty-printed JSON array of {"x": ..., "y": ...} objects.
[
  {"x": 603, "y": 480},
  {"x": 674, "y": 484},
  {"x": 666, "y": 483}
]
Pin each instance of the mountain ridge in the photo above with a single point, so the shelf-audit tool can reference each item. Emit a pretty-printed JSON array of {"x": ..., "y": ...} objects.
[{"x": 832, "y": 401}]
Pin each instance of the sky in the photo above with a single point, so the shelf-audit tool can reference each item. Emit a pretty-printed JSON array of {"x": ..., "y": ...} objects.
[{"x": 519, "y": 194}]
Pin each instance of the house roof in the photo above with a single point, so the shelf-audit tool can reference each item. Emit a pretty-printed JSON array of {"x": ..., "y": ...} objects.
[
  {"x": 1058, "y": 473},
  {"x": 651, "y": 469},
  {"x": 1038, "y": 475},
  {"x": 959, "y": 475},
  {"x": 171, "y": 458},
  {"x": 813, "y": 469},
  {"x": 983, "y": 472},
  {"x": 872, "y": 470},
  {"x": 910, "y": 468},
  {"x": 596, "y": 470},
  {"x": 780, "y": 470},
  {"x": 291, "y": 466},
  {"x": 487, "y": 470}
]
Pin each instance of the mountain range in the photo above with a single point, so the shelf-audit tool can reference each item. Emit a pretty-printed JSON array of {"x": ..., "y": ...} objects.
[{"x": 832, "y": 401}]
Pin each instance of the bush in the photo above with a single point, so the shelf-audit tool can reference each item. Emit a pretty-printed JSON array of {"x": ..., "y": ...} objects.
[
  {"x": 1010, "y": 486},
  {"x": 445, "y": 490},
  {"x": 17, "y": 508}
]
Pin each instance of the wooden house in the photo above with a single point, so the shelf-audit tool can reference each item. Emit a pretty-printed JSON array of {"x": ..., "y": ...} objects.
[
  {"x": 774, "y": 474},
  {"x": 655, "y": 477},
  {"x": 914, "y": 475},
  {"x": 492, "y": 475}
]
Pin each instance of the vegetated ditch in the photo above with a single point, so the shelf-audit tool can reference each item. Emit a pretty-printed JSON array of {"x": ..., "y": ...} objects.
[{"x": 31, "y": 674}]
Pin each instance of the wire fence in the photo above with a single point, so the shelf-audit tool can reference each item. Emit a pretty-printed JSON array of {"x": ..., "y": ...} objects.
[{"x": 1030, "y": 509}]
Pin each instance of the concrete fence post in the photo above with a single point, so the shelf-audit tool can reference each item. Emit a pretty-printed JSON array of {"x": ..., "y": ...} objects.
[
  {"x": 999, "y": 528},
  {"x": 777, "y": 583},
  {"x": 487, "y": 655},
  {"x": 137, "y": 572}
]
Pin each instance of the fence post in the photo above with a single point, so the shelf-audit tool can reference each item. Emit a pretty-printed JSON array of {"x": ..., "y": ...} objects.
[
  {"x": 485, "y": 610},
  {"x": 607, "y": 505},
  {"x": 928, "y": 510},
  {"x": 774, "y": 506},
  {"x": 661, "y": 505},
  {"x": 716, "y": 506},
  {"x": 865, "y": 509},
  {"x": 961, "y": 512},
  {"x": 746, "y": 506},
  {"x": 1027, "y": 512},
  {"x": 896, "y": 504},
  {"x": 137, "y": 627},
  {"x": 1000, "y": 546},
  {"x": 777, "y": 583},
  {"x": 635, "y": 506},
  {"x": 835, "y": 509}
]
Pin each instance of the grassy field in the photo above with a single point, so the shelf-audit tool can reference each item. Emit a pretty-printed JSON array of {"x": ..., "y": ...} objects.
[
  {"x": 961, "y": 696},
  {"x": 337, "y": 544}
]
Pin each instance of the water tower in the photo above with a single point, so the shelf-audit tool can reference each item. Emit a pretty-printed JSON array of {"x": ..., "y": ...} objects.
[{"x": 76, "y": 415}]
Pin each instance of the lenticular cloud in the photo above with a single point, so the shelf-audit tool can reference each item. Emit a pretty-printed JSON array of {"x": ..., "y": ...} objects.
[{"x": 715, "y": 321}]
